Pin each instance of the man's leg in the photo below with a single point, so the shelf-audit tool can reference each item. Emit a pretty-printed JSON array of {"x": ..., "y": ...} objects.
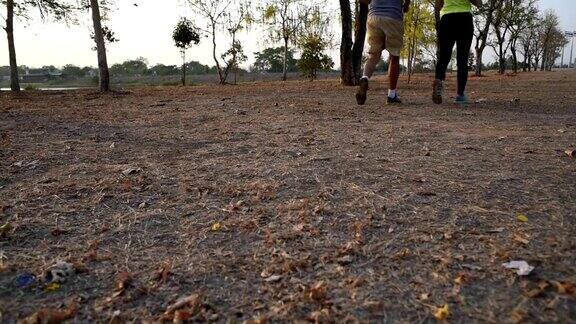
[
  {"x": 370, "y": 67},
  {"x": 376, "y": 41},
  {"x": 393, "y": 75}
]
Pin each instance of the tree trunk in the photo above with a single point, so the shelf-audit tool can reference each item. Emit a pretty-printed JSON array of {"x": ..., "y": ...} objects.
[
  {"x": 359, "y": 39},
  {"x": 346, "y": 65},
  {"x": 14, "y": 78},
  {"x": 285, "y": 60},
  {"x": 479, "y": 53},
  {"x": 501, "y": 58},
  {"x": 221, "y": 79},
  {"x": 514, "y": 59},
  {"x": 100, "y": 47},
  {"x": 183, "y": 68}
]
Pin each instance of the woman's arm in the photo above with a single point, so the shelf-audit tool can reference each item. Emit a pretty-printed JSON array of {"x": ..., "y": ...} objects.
[
  {"x": 406, "y": 6},
  {"x": 477, "y": 3},
  {"x": 438, "y": 6}
]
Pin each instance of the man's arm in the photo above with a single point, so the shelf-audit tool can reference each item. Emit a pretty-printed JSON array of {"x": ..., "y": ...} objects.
[{"x": 406, "y": 5}]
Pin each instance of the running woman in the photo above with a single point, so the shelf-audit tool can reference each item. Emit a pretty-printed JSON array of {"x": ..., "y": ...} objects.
[{"x": 456, "y": 26}]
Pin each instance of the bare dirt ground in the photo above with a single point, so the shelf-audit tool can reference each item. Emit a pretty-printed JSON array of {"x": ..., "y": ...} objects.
[{"x": 287, "y": 202}]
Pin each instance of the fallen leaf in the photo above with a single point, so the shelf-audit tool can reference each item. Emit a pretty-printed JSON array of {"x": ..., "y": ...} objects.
[
  {"x": 538, "y": 291},
  {"x": 53, "y": 286},
  {"x": 459, "y": 280},
  {"x": 47, "y": 315},
  {"x": 193, "y": 302},
  {"x": 522, "y": 217},
  {"x": 345, "y": 260},
  {"x": 318, "y": 291},
  {"x": 57, "y": 232},
  {"x": 570, "y": 153},
  {"x": 565, "y": 288},
  {"x": 163, "y": 272},
  {"x": 440, "y": 313},
  {"x": 216, "y": 227},
  {"x": 123, "y": 280},
  {"x": 5, "y": 229},
  {"x": 522, "y": 267},
  {"x": 521, "y": 239}
]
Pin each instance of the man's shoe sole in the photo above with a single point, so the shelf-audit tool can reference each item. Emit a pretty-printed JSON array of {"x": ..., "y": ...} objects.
[{"x": 362, "y": 92}]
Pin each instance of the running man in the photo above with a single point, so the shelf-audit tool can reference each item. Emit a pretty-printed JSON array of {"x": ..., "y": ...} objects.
[
  {"x": 456, "y": 27},
  {"x": 385, "y": 31}
]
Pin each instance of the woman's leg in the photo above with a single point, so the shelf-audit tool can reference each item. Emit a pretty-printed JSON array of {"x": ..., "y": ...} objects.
[
  {"x": 447, "y": 38},
  {"x": 463, "y": 45}
]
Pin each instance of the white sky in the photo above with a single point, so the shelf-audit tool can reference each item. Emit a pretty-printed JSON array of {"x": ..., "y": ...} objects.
[{"x": 145, "y": 30}]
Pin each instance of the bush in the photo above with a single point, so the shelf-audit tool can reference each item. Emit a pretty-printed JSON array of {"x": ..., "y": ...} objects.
[{"x": 313, "y": 58}]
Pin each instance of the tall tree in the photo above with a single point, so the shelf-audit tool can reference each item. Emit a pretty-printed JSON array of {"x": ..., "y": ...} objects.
[
  {"x": 239, "y": 18},
  {"x": 215, "y": 11},
  {"x": 552, "y": 39},
  {"x": 351, "y": 49},
  {"x": 283, "y": 19},
  {"x": 99, "y": 34},
  {"x": 526, "y": 42},
  {"x": 184, "y": 36},
  {"x": 502, "y": 28},
  {"x": 482, "y": 23},
  {"x": 419, "y": 29},
  {"x": 20, "y": 8},
  {"x": 520, "y": 17}
]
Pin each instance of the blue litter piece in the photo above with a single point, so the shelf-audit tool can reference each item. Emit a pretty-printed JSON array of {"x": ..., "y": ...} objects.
[{"x": 25, "y": 279}]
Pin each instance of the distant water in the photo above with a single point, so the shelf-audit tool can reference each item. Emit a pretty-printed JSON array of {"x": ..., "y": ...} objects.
[{"x": 46, "y": 89}]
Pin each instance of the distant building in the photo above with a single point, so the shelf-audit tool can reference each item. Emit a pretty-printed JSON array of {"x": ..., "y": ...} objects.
[{"x": 40, "y": 75}]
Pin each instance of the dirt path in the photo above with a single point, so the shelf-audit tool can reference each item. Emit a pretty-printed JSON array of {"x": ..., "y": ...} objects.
[{"x": 288, "y": 202}]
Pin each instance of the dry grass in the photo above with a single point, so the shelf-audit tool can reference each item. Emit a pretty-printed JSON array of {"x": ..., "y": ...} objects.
[{"x": 273, "y": 201}]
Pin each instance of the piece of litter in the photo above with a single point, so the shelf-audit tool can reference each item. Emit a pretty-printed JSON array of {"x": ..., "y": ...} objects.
[
  {"x": 274, "y": 278},
  {"x": 25, "y": 279},
  {"x": 481, "y": 100},
  {"x": 570, "y": 153},
  {"x": 113, "y": 145},
  {"x": 131, "y": 170},
  {"x": 522, "y": 267},
  {"x": 59, "y": 272},
  {"x": 496, "y": 230}
]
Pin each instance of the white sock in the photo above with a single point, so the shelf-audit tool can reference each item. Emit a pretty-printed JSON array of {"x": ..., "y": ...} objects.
[
  {"x": 392, "y": 93},
  {"x": 365, "y": 77}
]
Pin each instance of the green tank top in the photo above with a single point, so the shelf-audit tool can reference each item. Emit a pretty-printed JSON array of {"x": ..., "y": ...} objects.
[{"x": 456, "y": 6}]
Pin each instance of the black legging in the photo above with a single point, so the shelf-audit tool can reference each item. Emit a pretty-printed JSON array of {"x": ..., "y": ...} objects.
[{"x": 456, "y": 28}]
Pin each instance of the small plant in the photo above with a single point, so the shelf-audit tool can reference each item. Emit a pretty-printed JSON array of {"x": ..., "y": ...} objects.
[
  {"x": 313, "y": 58},
  {"x": 185, "y": 35}
]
